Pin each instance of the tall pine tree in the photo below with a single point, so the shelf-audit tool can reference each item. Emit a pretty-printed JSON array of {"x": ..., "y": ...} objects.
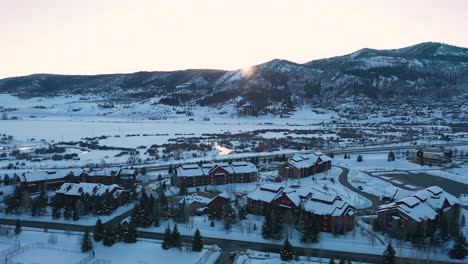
[
  {"x": 17, "y": 227},
  {"x": 459, "y": 250},
  {"x": 86, "y": 243},
  {"x": 167, "y": 239},
  {"x": 197, "y": 244},
  {"x": 176, "y": 237},
  {"x": 131, "y": 235},
  {"x": 98, "y": 230},
  {"x": 389, "y": 255},
  {"x": 287, "y": 252},
  {"x": 108, "y": 237}
]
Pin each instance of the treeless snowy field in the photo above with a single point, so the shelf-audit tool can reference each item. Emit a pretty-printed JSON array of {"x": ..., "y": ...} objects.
[{"x": 67, "y": 250}]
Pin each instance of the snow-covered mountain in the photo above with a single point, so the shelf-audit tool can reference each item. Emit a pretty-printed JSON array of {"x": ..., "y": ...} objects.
[{"x": 422, "y": 71}]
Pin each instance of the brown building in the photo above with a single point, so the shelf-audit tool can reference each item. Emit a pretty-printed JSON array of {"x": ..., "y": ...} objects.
[
  {"x": 420, "y": 210},
  {"x": 38, "y": 181},
  {"x": 123, "y": 177},
  {"x": 70, "y": 193},
  {"x": 304, "y": 165},
  {"x": 331, "y": 212},
  {"x": 192, "y": 175}
]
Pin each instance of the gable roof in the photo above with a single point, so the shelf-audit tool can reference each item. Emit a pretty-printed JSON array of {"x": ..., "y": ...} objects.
[
  {"x": 423, "y": 205},
  {"x": 35, "y": 176}
]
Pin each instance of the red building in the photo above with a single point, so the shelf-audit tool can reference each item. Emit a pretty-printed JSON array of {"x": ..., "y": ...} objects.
[
  {"x": 38, "y": 181},
  {"x": 70, "y": 193},
  {"x": 304, "y": 165},
  {"x": 192, "y": 175},
  {"x": 331, "y": 212},
  {"x": 123, "y": 177}
]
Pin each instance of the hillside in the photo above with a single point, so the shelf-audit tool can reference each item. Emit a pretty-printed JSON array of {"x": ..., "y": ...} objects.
[{"x": 424, "y": 71}]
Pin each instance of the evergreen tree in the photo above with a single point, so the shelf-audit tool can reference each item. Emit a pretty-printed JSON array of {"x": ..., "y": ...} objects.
[
  {"x": 86, "y": 243},
  {"x": 131, "y": 234},
  {"x": 136, "y": 217},
  {"x": 167, "y": 239},
  {"x": 176, "y": 237},
  {"x": 119, "y": 232},
  {"x": 56, "y": 212},
  {"x": 183, "y": 190},
  {"x": 418, "y": 237},
  {"x": 359, "y": 158},
  {"x": 459, "y": 250},
  {"x": 391, "y": 156},
  {"x": 108, "y": 237},
  {"x": 170, "y": 170},
  {"x": 332, "y": 261},
  {"x": 76, "y": 216},
  {"x": 287, "y": 252},
  {"x": 342, "y": 261},
  {"x": 68, "y": 212},
  {"x": 309, "y": 231},
  {"x": 389, "y": 255},
  {"x": 197, "y": 244},
  {"x": 17, "y": 227},
  {"x": 229, "y": 215},
  {"x": 277, "y": 224},
  {"x": 98, "y": 231},
  {"x": 267, "y": 231}
]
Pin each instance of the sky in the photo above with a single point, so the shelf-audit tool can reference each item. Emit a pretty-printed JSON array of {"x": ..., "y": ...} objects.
[{"x": 118, "y": 36}]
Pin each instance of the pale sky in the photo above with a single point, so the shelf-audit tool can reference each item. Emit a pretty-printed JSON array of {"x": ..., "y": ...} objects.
[{"x": 109, "y": 36}]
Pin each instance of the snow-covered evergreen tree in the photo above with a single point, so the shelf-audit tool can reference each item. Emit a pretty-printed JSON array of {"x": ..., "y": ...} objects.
[
  {"x": 98, "y": 230},
  {"x": 389, "y": 254},
  {"x": 287, "y": 252},
  {"x": 86, "y": 243},
  {"x": 197, "y": 244},
  {"x": 459, "y": 250},
  {"x": 108, "y": 237},
  {"x": 167, "y": 239}
]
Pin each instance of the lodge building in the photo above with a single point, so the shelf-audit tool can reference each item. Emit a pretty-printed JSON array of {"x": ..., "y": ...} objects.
[
  {"x": 331, "y": 212},
  {"x": 192, "y": 175},
  {"x": 304, "y": 165}
]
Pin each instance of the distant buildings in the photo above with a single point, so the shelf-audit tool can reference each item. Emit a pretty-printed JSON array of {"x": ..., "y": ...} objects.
[
  {"x": 331, "y": 212},
  {"x": 430, "y": 155},
  {"x": 420, "y": 211},
  {"x": 69, "y": 193},
  {"x": 304, "y": 165},
  {"x": 200, "y": 203},
  {"x": 123, "y": 177},
  {"x": 38, "y": 181},
  {"x": 192, "y": 175}
]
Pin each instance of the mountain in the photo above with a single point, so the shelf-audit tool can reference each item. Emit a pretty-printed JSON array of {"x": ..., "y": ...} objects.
[{"x": 424, "y": 71}]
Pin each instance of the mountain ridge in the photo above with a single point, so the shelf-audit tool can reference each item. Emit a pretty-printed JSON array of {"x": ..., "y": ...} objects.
[{"x": 426, "y": 70}]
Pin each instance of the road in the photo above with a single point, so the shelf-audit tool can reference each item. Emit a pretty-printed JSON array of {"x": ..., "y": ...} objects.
[{"x": 343, "y": 179}]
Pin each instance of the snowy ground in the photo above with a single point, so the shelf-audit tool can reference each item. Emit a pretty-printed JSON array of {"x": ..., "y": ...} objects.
[
  {"x": 258, "y": 257},
  {"x": 361, "y": 239},
  {"x": 88, "y": 220},
  {"x": 66, "y": 249}
]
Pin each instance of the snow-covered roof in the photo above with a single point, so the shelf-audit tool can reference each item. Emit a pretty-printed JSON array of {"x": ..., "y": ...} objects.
[
  {"x": 113, "y": 171},
  {"x": 321, "y": 205},
  {"x": 195, "y": 198},
  {"x": 190, "y": 170},
  {"x": 395, "y": 193},
  {"x": 422, "y": 205},
  {"x": 127, "y": 171},
  {"x": 76, "y": 189},
  {"x": 193, "y": 170},
  {"x": 244, "y": 167},
  {"x": 300, "y": 161},
  {"x": 48, "y": 175},
  {"x": 265, "y": 193}
]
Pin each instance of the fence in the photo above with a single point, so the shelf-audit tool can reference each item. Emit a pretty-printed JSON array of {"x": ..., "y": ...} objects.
[{"x": 8, "y": 254}]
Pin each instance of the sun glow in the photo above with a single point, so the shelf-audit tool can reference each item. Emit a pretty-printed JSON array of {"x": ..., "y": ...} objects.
[{"x": 247, "y": 71}]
